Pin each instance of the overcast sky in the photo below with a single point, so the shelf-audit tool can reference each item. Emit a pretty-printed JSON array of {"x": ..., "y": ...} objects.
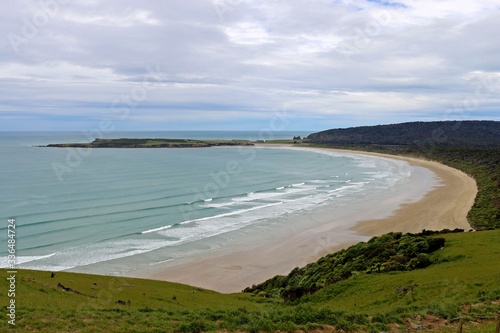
[{"x": 246, "y": 64}]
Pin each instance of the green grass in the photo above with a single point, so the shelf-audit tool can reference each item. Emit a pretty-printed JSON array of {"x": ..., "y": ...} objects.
[
  {"x": 469, "y": 273},
  {"x": 104, "y": 303},
  {"x": 472, "y": 269}
]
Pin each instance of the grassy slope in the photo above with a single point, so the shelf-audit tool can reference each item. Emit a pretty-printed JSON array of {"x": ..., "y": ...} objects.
[
  {"x": 166, "y": 307},
  {"x": 41, "y": 304},
  {"x": 441, "y": 286}
]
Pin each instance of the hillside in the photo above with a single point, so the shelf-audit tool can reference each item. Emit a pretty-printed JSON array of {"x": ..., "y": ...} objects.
[
  {"x": 439, "y": 133},
  {"x": 461, "y": 282}
]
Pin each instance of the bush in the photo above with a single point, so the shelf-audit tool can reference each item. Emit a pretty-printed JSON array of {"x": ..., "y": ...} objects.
[
  {"x": 389, "y": 252},
  {"x": 196, "y": 326}
]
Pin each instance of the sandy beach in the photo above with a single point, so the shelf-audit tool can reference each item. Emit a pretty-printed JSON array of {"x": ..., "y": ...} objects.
[{"x": 309, "y": 236}]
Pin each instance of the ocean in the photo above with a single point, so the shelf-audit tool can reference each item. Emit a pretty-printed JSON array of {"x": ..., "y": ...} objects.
[{"x": 115, "y": 211}]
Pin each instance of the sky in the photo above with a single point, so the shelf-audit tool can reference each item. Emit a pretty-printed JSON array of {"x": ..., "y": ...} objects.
[{"x": 246, "y": 64}]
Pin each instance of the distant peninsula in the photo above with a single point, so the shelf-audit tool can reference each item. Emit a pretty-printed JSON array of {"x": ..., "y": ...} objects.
[{"x": 152, "y": 143}]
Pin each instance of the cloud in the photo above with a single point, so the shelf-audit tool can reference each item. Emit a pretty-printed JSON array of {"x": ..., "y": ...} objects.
[
  {"x": 129, "y": 19},
  {"x": 327, "y": 62},
  {"x": 57, "y": 72}
]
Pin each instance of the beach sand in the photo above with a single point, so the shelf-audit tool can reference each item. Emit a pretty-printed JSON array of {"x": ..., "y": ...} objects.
[{"x": 325, "y": 231}]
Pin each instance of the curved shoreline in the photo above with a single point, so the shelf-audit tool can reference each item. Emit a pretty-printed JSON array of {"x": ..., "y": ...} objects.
[{"x": 445, "y": 206}]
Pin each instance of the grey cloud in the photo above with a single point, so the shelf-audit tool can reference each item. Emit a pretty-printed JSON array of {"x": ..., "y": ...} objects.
[{"x": 255, "y": 55}]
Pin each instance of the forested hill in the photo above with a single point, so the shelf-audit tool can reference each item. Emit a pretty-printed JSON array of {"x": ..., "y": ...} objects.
[
  {"x": 470, "y": 146},
  {"x": 439, "y": 133}
]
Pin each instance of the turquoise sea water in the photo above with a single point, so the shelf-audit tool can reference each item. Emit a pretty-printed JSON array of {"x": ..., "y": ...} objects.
[{"x": 76, "y": 208}]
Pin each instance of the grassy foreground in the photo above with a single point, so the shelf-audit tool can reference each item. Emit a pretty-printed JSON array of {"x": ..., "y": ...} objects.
[{"x": 466, "y": 284}]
